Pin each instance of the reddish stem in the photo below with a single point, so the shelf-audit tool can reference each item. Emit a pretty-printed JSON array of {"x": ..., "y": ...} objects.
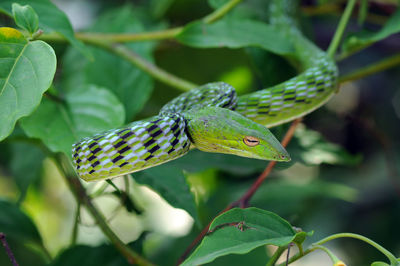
[
  {"x": 8, "y": 249},
  {"x": 244, "y": 200}
]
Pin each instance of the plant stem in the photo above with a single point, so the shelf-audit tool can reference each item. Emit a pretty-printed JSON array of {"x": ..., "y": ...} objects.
[
  {"x": 328, "y": 252},
  {"x": 9, "y": 252},
  {"x": 220, "y": 12},
  {"x": 372, "y": 69},
  {"x": 148, "y": 67},
  {"x": 76, "y": 224},
  {"x": 79, "y": 191},
  {"x": 277, "y": 254},
  {"x": 106, "y": 41},
  {"x": 244, "y": 200},
  {"x": 130, "y": 37},
  {"x": 389, "y": 255},
  {"x": 341, "y": 27}
]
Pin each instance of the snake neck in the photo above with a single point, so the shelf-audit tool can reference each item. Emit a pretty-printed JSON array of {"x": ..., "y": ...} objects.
[{"x": 302, "y": 94}]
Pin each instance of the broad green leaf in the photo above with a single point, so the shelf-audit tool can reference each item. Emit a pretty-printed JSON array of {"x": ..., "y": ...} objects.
[
  {"x": 171, "y": 184},
  {"x": 363, "y": 39},
  {"x": 239, "y": 231},
  {"x": 87, "y": 110},
  {"x": 25, "y": 17},
  {"x": 105, "y": 255},
  {"x": 235, "y": 33},
  {"x": 132, "y": 86},
  {"x": 26, "y": 165},
  {"x": 311, "y": 148},
  {"x": 51, "y": 19},
  {"x": 16, "y": 224},
  {"x": 26, "y": 72}
]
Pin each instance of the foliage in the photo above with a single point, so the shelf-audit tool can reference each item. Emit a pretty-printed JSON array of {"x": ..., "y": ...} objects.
[{"x": 125, "y": 67}]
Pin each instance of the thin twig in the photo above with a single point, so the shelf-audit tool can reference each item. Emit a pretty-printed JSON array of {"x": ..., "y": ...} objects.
[
  {"x": 373, "y": 68},
  {"x": 76, "y": 224},
  {"x": 8, "y": 249},
  {"x": 80, "y": 194},
  {"x": 243, "y": 201},
  {"x": 277, "y": 254},
  {"x": 150, "y": 68},
  {"x": 220, "y": 12},
  {"x": 341, "y": 28}
]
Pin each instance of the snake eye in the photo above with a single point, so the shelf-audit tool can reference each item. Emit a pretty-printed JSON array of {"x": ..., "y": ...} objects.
[{"x": 251, "y": 141}]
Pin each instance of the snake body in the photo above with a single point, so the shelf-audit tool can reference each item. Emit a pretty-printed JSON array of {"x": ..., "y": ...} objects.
[{"x": 213, "y": 118}]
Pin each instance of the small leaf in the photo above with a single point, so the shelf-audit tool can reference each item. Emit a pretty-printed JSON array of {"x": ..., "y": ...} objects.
[
  {"x": 16, "y": 224},
  {"x": 26, "y": 72},
  {"x": 238, "y": 231},
  {"x": 171, "y": 184},
  {"x": 235, "y": 33},
  {"x": 88, "y": 110},
  {"x": 360, "y": 40},
  {"x": 25, "y": 17},
  {"x": 51, "y": 19}
]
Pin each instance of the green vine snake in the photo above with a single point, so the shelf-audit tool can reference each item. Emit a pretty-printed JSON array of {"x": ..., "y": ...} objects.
[{"x": 213, "y": 118}]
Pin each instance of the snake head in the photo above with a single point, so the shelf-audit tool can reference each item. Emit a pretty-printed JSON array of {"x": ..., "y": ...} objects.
[{"x": 215, "y": 129}]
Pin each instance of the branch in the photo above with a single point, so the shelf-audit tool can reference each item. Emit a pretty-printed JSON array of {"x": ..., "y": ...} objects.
[
  {"x": 341, "y": 27},
  {"x": 80, "y": 194},
  {"x": 372, "y": 69},
  {"x": 220, "y": 12},
  {"x": 107, "y": 42},
  {"x": 150, "y": 68},
  {"x": 244, "y": 200},
  {"x": 90, "y": 37},
  {"x": 9, "y": 252}
]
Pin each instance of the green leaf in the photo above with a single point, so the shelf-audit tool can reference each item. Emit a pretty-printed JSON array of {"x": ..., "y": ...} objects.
[
  {"x": 26, "y": 165},
  {"x": 379, "y": 263},
  {"x": 235, "y": 33},
  {"x": 51, "y": 19},
  {"x": 363, "y": 39},
  {"x": 311, "y": 148},
  {"x": 25, "y": 17},
  {"x": 26, "y": 72},
  {"x": 171, "y": 184},
  {"x": 87, "y": 110},
  {"x": 132, "y": 86},
  {"x": 16, "y": 224},
  {"x": 239, "y": 231},
  {"x": 90, "y": 256}
]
